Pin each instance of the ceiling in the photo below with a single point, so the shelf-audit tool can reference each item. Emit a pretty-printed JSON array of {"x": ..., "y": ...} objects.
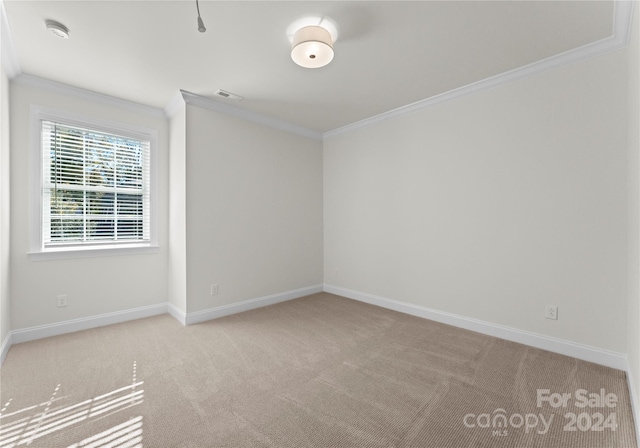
[{"x": 388, "y": 53}]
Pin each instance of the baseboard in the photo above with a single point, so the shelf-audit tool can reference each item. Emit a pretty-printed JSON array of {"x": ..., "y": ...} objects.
[
  {"x": 563, "y": 347},
  {"x": 44, "y": 331},
  {"x": 633, "y": 394},
  {"x": 177, "y": 313},
  {"x": 234, "y": 308},
  {"x": 6, "y": 345},
  {"x": 69, "y": 326}
]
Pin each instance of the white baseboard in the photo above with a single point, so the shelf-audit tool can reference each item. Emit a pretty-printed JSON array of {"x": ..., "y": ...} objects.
[
  {"x": 69, "y": 326},
  {"x": 633, "y": 394},
  {"x": 579, "y": 351},
  {"x": 234, "y": 308},
  {"x": 6, "y": 345},
  {"x": 177, "y": 313},
  {"x": 44, "y": 331},
  {"x": 563, "y": 347}
]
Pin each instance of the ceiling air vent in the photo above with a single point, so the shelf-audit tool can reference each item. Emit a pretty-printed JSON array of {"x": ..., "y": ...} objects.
[{"x": 228, "y": 95}]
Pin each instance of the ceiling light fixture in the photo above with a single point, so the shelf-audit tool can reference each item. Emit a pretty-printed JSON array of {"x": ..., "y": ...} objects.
[
  {"x": 57, "y": 28},
  {"x": 201, "y": 27},
  {"x": 312, "y": 47}
]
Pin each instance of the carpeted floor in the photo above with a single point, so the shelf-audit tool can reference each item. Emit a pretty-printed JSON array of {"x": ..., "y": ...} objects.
[{"x": 320, "y": 371}]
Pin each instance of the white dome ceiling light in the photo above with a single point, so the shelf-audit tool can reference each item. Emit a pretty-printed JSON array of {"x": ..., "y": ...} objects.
[{"x": 312, "y": 47}]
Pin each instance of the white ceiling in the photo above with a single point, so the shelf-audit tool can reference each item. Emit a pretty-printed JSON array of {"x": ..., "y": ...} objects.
[{"x": 388, "y": 53}]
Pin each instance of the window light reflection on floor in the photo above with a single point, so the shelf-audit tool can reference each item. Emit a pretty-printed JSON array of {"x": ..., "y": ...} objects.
[
  {"x": 26, "y": 425},
  {"x": 127, "y": 434}
]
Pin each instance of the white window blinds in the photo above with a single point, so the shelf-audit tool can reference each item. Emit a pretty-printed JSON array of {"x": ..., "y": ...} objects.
[{"x": 95, "y": 187}]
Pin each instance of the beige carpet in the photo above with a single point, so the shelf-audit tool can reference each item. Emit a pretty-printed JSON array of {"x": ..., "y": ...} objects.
[{"x": 321, "y": 371}]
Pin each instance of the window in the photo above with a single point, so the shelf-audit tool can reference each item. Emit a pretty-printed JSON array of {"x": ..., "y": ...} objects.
[{"x": 94, "y": 188}]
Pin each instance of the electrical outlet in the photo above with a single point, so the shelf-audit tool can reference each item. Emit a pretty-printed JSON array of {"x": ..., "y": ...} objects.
[
  {"x": 61, "y": 301},
  {"x": 214, "y": 289},
  {"x": 551, "y": 312}
]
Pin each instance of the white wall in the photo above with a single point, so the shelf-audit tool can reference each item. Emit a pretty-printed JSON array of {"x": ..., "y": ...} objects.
[
  {"x": 253, "y": 211},
  {"x": 177, "y": 211},
  {"x": 492, "y": 205},
  {"x": 94, "y": 285},
  {"x": 489, "y": 206},
  {"x": 633, "y": 311},
  {"x": 5, "y": 309}
]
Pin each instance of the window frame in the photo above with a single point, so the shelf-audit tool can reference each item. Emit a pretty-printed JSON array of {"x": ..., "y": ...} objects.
[{"x": 37, "y": 250}]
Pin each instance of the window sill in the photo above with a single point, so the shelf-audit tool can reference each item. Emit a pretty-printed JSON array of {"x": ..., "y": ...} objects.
[{"x": 91, "y": 252}]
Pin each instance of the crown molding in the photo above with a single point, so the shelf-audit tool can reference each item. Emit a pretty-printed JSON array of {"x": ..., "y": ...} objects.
[
  {"x": 218, "y": 106},
  {"x": 65, "y": 89},
  {"x": 9, "y": 59},
  {"x": 175, "y": 104},
  {"x": 622, "y": 22}
]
